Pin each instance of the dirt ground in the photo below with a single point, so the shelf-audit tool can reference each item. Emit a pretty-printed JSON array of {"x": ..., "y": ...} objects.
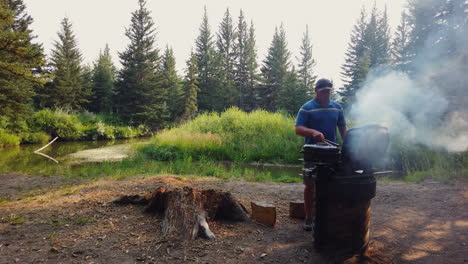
[{"x": 55, "y": 220}]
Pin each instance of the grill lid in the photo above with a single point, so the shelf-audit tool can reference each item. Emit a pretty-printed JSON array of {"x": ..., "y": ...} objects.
[
  {"x": 319, "y": 153},
  {"x": 319, "y": 147}
]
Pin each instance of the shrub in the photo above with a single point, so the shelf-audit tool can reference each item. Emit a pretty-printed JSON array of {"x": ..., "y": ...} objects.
[
  {"x": 155, "y": 152},
  {"x": 17, "y": 126},
  {"x": 56, "y": 124},
  {"x": 143, "y": 131},
  {"x": 125, "y": 132},
  {"x": 8, "y": 139},
  {"x": 34, "y": 137},
  {"x": 88, "y": 118},
  {"x": 98, "y": 131}
]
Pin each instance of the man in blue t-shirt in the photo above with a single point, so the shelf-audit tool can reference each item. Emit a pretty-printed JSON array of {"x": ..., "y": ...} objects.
[{"x": 317, "y": 120}]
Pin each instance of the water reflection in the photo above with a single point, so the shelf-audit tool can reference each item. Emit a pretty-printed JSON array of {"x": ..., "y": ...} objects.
[{"x": 23, "y": 159}]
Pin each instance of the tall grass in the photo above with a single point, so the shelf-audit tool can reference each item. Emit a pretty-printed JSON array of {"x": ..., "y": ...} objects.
[
  {"x": 232, "y": 135},
  {"x": 418, "y": 162}
]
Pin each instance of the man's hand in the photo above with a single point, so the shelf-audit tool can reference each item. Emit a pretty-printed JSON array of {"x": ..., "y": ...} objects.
[
  {"x": 308, "y": 132},
  {"x": 318, "y": 136}
]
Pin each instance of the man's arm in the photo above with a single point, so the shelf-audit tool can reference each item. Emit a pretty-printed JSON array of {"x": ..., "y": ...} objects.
[
  {"x": 342, "y": 130},
  {"x": 309, "y": 132}
]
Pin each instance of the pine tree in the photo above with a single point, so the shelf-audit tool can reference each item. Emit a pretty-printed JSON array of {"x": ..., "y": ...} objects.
[
  {"x": 371, "y": 38},
  {"x": 68, "y": 88},
  {"x": 252, "y": 98},
  {"x": 293, "y": 93},
  {"x": 171, "y": 83},
  {"x": 241, "y": 75},
  {"x": 225, "y": 43},
  {"x": 211, "y": 73},
  {"x": 103, "y": 78},
  {"x": 383, "y": 37},
  {"x": 190, "y": 89},
  {"x": 140, "y": 97},
  {"x": 274, "y": 70},
  {"x": 421, "y": 17},
  {"x": 355, "y": 51},
  {"x": 21, "y": 60},
  {"x": 400, "y": 44},
  {"x": 453, "y": 28},
  {"x": 306, "y": 64},
  {"x": 368, "y": 48},
  {"x": 87, "y": 85},
  {"x": 363, "y": 67}
]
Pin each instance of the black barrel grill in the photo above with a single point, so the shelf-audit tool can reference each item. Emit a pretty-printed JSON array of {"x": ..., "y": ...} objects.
[{"x": 345, "y": 185}]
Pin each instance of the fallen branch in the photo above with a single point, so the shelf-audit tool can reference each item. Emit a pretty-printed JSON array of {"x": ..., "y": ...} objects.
[
  {"x": 46, "y": 145},
  {"x": 47, "y": 156}
]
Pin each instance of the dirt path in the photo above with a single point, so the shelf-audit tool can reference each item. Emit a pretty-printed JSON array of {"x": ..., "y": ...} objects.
[{"x": 411, "y": 223}]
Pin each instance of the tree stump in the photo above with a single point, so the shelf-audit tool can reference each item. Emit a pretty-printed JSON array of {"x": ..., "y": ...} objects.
[
  {"x": 186, "y": 210},
  {"x": 263, "y": 213}
]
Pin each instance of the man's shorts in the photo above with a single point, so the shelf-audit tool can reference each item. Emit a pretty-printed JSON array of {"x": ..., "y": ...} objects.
[{"x": 309, "y": 175}]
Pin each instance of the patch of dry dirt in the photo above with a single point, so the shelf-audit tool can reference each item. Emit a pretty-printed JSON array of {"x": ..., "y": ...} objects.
[{"x": 411, "y": 223}]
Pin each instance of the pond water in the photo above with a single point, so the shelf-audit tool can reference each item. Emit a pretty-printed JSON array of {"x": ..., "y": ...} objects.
[{"x": 23, "y": 159}]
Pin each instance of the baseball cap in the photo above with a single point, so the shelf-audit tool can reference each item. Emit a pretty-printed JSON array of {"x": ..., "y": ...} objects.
[{"x": 323, "y": 84}]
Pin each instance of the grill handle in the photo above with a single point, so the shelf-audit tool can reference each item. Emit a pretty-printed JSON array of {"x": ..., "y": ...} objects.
[{"x": 329, "y": 142}]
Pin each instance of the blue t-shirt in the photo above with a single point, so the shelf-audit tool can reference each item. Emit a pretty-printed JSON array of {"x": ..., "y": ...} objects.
[{"x": 324, "y": 119}]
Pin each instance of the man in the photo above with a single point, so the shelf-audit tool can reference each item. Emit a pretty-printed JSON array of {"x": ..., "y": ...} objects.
[{"x": 317, "y": 120}]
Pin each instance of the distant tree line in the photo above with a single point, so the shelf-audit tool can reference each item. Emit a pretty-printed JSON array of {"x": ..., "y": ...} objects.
[{"x": 222, "y": 71}]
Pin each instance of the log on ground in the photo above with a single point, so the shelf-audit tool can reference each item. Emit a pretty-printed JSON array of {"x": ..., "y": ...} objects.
[{"x": 264, "y": 213}]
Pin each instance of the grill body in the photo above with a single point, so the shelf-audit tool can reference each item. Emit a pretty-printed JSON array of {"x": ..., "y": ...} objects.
[
  {"x": 345, "y": 185},
  {"x": 342, "y": 219}
]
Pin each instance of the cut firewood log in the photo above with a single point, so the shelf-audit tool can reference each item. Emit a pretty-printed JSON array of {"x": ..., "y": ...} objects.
[
  {"x": 186, "y": 211},
  {"x": 296, "y": 209},
  {"x": 263, "y": 213}
]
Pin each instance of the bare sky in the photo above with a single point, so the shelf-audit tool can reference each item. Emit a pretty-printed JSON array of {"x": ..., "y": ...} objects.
[{"x": 97, "y": 22}]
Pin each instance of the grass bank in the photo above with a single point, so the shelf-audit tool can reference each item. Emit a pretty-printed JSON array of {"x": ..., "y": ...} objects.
[
  {"x": 233, "y": 135},
  {"x": 419, "y": 162}
]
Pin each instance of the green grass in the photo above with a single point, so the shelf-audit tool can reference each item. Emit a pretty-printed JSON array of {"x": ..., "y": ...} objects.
[
  {"x": 419, "y": 162},
  {"x": 233, "y": 135}
]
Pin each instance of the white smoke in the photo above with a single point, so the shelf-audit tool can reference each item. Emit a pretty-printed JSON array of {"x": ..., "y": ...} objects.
[
  {"x": 415, "y": 113},
  {"x": 431, "y": 107}
]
